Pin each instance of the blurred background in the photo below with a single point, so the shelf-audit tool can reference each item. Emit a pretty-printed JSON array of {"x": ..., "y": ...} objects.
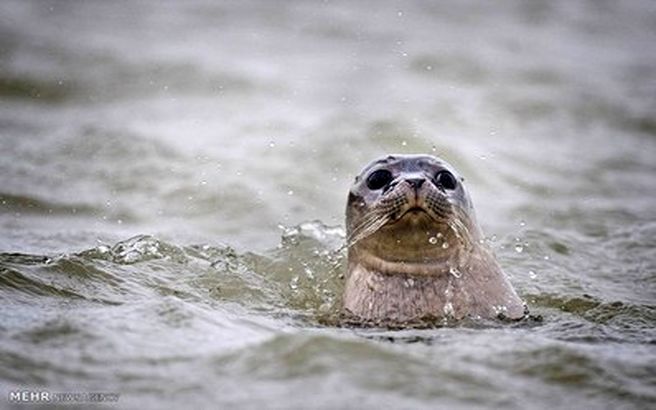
[{"x": 226, "y": 134}]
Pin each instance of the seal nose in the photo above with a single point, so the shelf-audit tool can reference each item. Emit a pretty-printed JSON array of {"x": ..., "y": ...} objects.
[{"x": 415, "y": 182}]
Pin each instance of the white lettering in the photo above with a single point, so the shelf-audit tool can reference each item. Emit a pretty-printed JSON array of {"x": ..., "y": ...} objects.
[{"x": 29, "y": 396}]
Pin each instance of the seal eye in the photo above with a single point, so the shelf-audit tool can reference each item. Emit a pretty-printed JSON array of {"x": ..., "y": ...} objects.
[
  {"x": 445, "y": 180},
  {"x": 378, "y": 179}
]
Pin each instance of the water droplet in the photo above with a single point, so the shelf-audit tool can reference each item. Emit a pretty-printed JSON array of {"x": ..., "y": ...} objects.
[
  {"x": 429, "y": 67},
  {"x": 546, "y": 257},
  {"x": 203, "y": 182},
  {"x": 500, "y": 309},
  {"x": 532, "y": 274},
  {"x": 434, "y": 148},
  {"x": 272, "y": 144},
  {"x": 455, "y": 272},
  {"x": 404, "y": 143},
  {"x": 399, "y": 13},
  {"x": 445, "y": 245},
  {"x": 439, "y": 235},
  {"x": 522, "y": 223},
  {"x": 290, "y": 192},
  {"x": 432, "y": 240},
  {"x": 519, "y": 248}
]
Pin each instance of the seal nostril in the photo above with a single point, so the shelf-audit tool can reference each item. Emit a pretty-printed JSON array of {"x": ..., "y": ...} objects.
[{"x": 415, "y": 182}]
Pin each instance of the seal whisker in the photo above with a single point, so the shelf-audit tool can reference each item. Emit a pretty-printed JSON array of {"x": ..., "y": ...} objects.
[
  {"x": 370, "y": 225},
  {"x": 461, "y": 231},
  {"x": 366, "y": 230}
]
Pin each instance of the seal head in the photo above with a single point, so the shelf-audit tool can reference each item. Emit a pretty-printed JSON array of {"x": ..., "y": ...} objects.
[{"x": 415, "y": 248}]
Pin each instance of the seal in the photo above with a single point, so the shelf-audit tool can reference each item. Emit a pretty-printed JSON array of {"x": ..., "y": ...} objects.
[{"x": 415, "y": 249}]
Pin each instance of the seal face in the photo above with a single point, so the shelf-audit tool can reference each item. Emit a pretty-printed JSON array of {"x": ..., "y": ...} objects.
[{"x": 415, "y": 248}]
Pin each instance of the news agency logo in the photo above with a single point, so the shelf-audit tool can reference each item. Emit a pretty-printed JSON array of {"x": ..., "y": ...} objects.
[
  {"x": 44, "y": 396},
  {"x": 27, "y": 396}
]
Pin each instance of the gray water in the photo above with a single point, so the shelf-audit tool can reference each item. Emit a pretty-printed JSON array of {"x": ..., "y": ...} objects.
[{"x": 173, "y": 177}]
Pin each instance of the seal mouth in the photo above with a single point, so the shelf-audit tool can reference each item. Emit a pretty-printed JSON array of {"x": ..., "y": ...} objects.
[{"x": 413, "y": 212}]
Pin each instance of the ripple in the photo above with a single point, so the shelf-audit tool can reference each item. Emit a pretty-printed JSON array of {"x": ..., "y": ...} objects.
[
  {"x": 36, "y": 90},
  {"x": 29, "y": 284},
  {"x": 32, "y": 205}
]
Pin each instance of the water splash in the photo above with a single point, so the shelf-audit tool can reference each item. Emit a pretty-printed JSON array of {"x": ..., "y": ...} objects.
[{"x": 137, "y": 249}]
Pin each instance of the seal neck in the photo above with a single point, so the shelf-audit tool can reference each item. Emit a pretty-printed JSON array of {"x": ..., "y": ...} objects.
[{"x": 429, "y": 267}]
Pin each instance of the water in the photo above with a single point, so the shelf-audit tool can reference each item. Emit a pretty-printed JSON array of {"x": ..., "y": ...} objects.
[{"x": 173, "y": 179}]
